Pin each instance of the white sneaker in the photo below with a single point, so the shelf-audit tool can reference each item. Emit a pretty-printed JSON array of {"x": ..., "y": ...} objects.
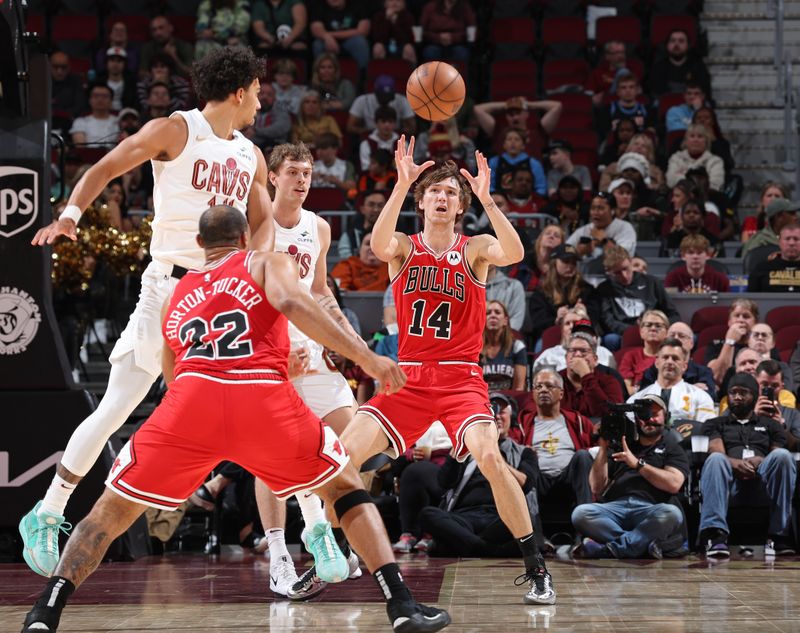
[
  {"x": 355, "y": 565},
  {"x": 281, "y": 575}
]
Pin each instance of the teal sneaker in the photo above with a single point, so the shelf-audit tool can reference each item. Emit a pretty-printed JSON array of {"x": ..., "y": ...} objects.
[
  {"x": 331, "y": 564},
  {"x": 40, "y": 540}
]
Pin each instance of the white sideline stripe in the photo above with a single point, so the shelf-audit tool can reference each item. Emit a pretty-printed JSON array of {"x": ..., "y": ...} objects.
[
  {"x": 231, "y": 382},
  {"x": 120, "y": 482}
]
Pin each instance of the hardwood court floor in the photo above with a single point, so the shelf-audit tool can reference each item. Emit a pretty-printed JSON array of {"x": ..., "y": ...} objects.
[{"x": 193, "y": 592}]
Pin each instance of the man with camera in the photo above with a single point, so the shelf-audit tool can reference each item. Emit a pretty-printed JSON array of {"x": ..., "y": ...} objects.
[
  {"x": 747, "y": 462},
  {"x": 638, "y": 468}
]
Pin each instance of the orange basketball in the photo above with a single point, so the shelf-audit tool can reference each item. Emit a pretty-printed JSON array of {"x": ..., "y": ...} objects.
[{"x": 435, "y": 91}]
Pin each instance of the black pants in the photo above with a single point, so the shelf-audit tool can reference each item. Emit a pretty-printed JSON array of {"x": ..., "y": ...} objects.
[
  {"x": 575, "y": 475},
  {"x": 419, "y": 488},
  {"x": 476, "y": 531}
]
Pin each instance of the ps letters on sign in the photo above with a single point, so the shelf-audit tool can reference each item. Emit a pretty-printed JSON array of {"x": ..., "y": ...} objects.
[{"x": 19, "y": 202}]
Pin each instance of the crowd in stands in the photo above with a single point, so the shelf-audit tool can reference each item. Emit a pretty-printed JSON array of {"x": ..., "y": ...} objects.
[{"x": 588, "y": 169}]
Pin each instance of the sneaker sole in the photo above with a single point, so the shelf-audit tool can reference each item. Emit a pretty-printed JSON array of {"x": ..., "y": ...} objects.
[
  {"x": 302, "y": 596},
  {"x": 526, "y": 599},
  {"x": 422, "y": 623}
]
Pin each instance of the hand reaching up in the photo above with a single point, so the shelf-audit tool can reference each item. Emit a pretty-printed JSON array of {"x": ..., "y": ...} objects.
[
  {"x": 407, "y": 170},
  {"x": 481, "y": 183}
]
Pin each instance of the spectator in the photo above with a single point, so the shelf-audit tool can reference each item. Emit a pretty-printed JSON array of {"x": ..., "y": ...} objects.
[
  {"x": 561, "y": 289},
  {"x": 121, "y": 82},
  {"x": 763, "y": 368},
  {"x": 670, "y": 74},
  {"x": 379, "y": 175},
  {"x": 742, "y": 316},
  {"x": 776, "y": 402},
  {"x": 721, "y": 219},
  {"x": 100, "y": 128},
  {"x": 653, "y": 328},
  {"x": 504, "y": 358},
  {"x": 383, "y": 136},
  {"x": 616, "y": 144},
  {"x": 706, "y": 117},
  {"x": 469, "y": 524},
  {"x": 445, "y": 25},
  {"x": 514, "y": 156},
  {"x": 162, "y": 40},
  {"x": 531, "y": 270},
  {"x": 337, "y": 92},
  {"x": 695, "y": 153},
  {"x": 623, "y": 195},
  {"x": 495, "y": 117},
  {"x": 742, "y": 467},
  {"x": 781, "y": 272},
  {"x": 754, "y": 223},
  {"x": 158, "y": 100},
  {"x": 639, "y": 264},
  {"x": 574, "y": 320},
  {"x": 67, "y": 91},
  {"x": 311, "y": 122},
  {"x": 643, "y": 145},
  {"x": 634, "y": 516},
  {"x": 369, "y": 209},
  {"x": 221, "y": 23},
  {"x": 419, "y": 482},
  {"x": 330, "y": 170},
  {"x": 644, "y": 204},
  {"x": 695, "y": 277},
  {"x": 684, "y": 401},
  {"x": 568, "y": 206},
  {"x": 603, "y": 231},
  {"x": 559, "y": 437},
  {"x": 272, "y": 123},
  {"x": 340, "y": 25},
  {"x": 762, "y": 340},
  {"x": 362, "y": 112},
  {"x": 392, "y": 32},
  {"x": 680, "y": 117},
  {"x": 691, "y": 224},
  {"x": 626, "y": 106},
  {"x": 625, "y": 295},
  {"x": 509, "y": 292},
  {"x": 162, "y": 70},
  {"x": 118, "y": 38},
  {"x": 287, "y": 93},
  {"x": 602, "y": 81},
  {"x": 779, "y": 213},
  {"x": 559, "y": 153},
  {"x": 587, "y": 389},
  {"x": 698, "y": 375},
  {"x": 520, "y": 195},
  {"x": 363, "y": 271},
  {"x": 279, "y": 25},
  {"x": 461, "y": 148}
]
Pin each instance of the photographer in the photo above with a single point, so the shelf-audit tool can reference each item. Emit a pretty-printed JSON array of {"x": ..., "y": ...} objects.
[
  {"x": 634, "y": 517},
  {"x": 747, "y": 463}
]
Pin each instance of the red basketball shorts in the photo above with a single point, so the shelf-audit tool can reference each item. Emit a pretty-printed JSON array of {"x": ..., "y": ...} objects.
[
  {"x": 262, "y": 425},
  {"x": 452, "y": 392}
]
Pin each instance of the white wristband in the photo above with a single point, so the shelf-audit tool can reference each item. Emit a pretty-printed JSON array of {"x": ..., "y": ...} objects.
[{"x": 73, "y": 212}]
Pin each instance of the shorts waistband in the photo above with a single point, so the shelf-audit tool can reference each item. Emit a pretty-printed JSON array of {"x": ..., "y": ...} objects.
[
  {"x": 438, "y": 362},
  {"x": 241, "y": 376},
  {"x": 170, "y": 270}
]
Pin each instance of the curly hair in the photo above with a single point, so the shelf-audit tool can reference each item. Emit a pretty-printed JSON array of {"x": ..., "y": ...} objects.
[
  {"x": 431, "y": 176},
  {"x": 225, "y": 70},
  {"x": 286, "y": 151}
]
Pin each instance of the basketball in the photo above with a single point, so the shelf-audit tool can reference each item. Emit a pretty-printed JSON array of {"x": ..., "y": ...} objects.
[{"x": 435, "y": 91}]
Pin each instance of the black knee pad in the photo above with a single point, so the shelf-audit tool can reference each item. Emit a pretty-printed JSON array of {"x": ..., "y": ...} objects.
[{"x": 350, "y": 500}]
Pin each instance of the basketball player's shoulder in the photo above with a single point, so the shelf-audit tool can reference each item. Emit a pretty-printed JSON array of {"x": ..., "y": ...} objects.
[{"x": 169, "y": 133}]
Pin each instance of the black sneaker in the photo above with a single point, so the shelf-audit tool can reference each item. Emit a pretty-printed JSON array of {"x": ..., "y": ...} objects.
[
  {"x": 307, "y": 586},
  {"x": 779, "y": 546},
  {"x": 715, "y": 544},
  {"x": 541, "y": 585},
  {"x": 413, "y": 617},
  {"x": 41, "y": 620}
]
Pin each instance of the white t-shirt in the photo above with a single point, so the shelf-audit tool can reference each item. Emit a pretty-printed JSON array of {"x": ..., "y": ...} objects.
[
  {"x": 99, "y": 132},
  {"x": 621, "y": 231},
  {"x": 364, "y": 108}
]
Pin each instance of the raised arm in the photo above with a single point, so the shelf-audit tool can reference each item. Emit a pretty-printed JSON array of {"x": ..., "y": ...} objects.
[
  {"x": 259, "y": 209},
  {"x": 506, "y": 248},
  {"x": 162, "y": 138},
  {"x": 387, "y": 243}
]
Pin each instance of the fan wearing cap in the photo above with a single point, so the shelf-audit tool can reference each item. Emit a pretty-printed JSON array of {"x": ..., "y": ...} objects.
[
  {"x": 574, "y": 320},
  {"x": 747, "y": 460},
  {"x": 779, "y": 212},
  {"x": 559, "y": 155},
  {"x": 781, "y": 271},
  {"x": 117, "y": 77},
  {"x": 634, "y": 517},
  {"x": 361, "y": 117},
  {"x": 562, "y": 288},
  {"x": 118, "y": 38}
]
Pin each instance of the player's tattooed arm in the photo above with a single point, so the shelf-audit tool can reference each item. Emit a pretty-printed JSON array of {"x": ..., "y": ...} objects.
[{"x": 328, "y": 303}]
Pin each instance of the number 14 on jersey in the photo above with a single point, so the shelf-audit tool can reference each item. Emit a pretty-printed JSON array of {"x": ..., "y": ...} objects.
[{"x": 438, "y": 319}]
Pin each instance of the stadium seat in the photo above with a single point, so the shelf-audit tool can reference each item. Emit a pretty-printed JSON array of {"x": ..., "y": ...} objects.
[
  {"x": 182, "y": 7},
  {"x": 503, "y": 88},
  {"x": 565, "y": 74},
  {"x": 551, "y": 8},
  {"x": 34, "y": 22},
  {"x": 711, "y": 333},
  {"x": 551, "y": 337},
  {"x": 349, "y": 70},
  {"x": 782, "y": 317},
  {"x": 577, "y": 111},
  {"x": 625, "y": 28},
  {"x": 184, "y": 26},
  {"x": 75, "y": 27},
  {"x": 667, "y": 101},
  {"x": 138, "y": 25},
  {"x": 564, "y": 37},
  {"x": 512, "y": 38},
  {"x": 786, "y": 354},
  {"x": 631, "y": 337},
  {"x": 579, "y": 139},
  {"x": 400, "y": 69},
  {"x": 708, "y": 316},
  {"x": 662, "y": 25},
  {"x": 787, "y": 336}
]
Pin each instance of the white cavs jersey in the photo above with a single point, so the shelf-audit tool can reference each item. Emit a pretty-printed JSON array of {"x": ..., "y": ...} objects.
[
  {"x": 210, "y": 170},
  {"x": 302, "y": 242}
]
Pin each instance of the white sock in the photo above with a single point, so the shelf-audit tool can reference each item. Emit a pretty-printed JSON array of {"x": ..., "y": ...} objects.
[
  {"x": 57, "y": 496},
  {"x": 311, "y": 508},
  {"x": 277, "y": 544}
]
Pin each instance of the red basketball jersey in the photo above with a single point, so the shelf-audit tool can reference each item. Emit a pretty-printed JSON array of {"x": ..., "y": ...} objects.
[
  {"x": 220, "y": 322},
  {"x": 441, "y": 305}
]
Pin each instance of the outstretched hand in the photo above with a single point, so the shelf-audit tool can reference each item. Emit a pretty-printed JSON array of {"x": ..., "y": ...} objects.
[
  {"x": 49, "y": 233},
  {"x": 407, "y": 170},
  {"x": 481, "y": 183}
]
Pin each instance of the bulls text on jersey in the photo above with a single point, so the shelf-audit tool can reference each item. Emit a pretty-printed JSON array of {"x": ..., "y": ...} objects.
[{"x": 435, "y": 279}]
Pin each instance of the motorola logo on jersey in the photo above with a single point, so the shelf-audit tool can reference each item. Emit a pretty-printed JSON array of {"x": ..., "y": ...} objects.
[
  {"x": 227, "y": 181},
  {"x": 454, "y": 258},
  {"x": 303, "y": 259},
  {"x": 18, "y": 199},
  {"x": 435, "y": 280}
]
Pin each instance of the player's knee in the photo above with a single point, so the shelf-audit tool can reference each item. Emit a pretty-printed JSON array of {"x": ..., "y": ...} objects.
[
  {"x": 350, "y": 500},
  {"x": 491, "y": 464}
]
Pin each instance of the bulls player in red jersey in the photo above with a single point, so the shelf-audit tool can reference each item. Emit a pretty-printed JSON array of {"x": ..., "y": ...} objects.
[
  {"x": 438, "y": 282},
  {"x": 226, "y": 347}
]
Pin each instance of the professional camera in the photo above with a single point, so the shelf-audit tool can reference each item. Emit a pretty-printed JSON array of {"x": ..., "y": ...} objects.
[{"x": 616, "y": 424}]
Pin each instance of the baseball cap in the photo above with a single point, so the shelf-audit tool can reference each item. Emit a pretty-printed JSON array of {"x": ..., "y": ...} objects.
[
  {"x": 584, "y": 325},
  {"x": 779, "y": 205},
  {"x": 128, "y": 112},
  {"x": 618, "y": 182},
  {"x": 558, "y": 144},
  {"x": 632, "y": 160},
  {"x": 384, "y": 88},
  {"x": 117, "y": 51},
  {"x": 564, "y": 252},
  {"x": 658, "y": 400},
  {"x": 507, "y": 401}
]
